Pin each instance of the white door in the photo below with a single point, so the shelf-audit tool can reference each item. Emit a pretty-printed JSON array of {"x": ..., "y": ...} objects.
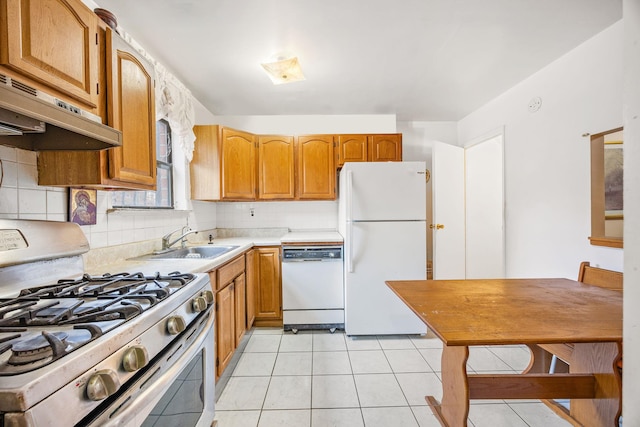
[
  {"x": 484, "y": 174},
  {"x": 379, "y": 251},
  {"x": 448, "y": 211}
]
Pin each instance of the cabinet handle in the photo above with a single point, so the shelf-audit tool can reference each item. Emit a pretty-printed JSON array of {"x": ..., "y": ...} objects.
[{"x": 436, "y": 226}]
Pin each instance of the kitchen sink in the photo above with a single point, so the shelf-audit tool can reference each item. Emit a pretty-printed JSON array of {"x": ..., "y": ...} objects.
[{"x": 194, "y": 252}]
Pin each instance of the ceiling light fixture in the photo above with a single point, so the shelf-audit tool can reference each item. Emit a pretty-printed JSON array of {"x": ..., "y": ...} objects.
[{"x": 284, "y": 70}]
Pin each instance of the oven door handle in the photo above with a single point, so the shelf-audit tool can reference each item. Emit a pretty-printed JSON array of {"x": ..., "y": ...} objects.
[{"x": 149, "y": 397}]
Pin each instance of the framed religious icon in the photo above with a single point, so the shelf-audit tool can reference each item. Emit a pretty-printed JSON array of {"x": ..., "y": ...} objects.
[{"x": 82, "y": 206}]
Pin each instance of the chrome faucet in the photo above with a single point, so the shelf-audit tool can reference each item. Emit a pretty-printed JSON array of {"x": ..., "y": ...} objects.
[{"x": 166, "y": 243}]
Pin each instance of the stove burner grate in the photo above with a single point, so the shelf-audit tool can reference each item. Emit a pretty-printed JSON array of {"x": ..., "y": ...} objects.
[
  {"x": 41, "y": 347},
  {"x": 108, "y": 297}
]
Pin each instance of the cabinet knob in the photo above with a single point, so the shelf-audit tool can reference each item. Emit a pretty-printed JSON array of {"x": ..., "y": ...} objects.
[
  {"x": 102, "y": 384},
  {"x": 175, "y": 325},
  {"x": 135, "y": 358}
]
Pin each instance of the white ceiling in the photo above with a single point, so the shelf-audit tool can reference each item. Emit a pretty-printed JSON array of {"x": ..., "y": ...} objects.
[{"x": 419, "y": 59}]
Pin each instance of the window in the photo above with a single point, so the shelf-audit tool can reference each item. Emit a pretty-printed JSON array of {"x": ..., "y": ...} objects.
[{"x": 163, "y": 196}]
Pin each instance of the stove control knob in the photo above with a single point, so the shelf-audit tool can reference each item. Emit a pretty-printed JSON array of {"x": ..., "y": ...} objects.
[
  {"x": 135, "y": 358},
  {"x": 176, "y": 324},
  {"x": 199, "y": 304},
  {"x": 102, "y": 384},
  {"x": 208, "y": 295}
]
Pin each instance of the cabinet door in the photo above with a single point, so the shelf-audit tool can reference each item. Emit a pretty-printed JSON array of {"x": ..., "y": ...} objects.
[
  {"x": 238, "y": 165},
  {"x": 316, "y": 167},
  {"x": 240, "y": 308},
  {"x": 385, "y": 148},
  {"x": 352, "y": 148},
  {"x": 269, "y": 291},
  {"x": 53, "y": 42},
  {"x": 275, "y": 167},
  {"x": 225, "y": 321},
  {"x": 131, "y": 109},
  {"x": 251, "y": 282},
  {"x": 204, "y": 168}
]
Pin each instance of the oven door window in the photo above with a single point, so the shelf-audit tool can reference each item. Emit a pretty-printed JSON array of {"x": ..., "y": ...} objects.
[{"x": 183, "y": 402}]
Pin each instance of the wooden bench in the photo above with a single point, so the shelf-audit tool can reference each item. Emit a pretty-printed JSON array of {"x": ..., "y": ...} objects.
[{"x": 592, "y": 276}]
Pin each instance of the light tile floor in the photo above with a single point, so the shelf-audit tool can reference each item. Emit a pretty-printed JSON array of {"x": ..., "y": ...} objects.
[{"x": 319, "y": 379}]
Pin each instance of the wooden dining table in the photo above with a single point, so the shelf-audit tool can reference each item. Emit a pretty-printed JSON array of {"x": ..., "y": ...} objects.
[{"x": 532, "y": 312}]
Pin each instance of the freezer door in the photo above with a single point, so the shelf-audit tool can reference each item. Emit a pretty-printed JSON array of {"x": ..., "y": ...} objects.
[
  {"x": 375, "y": 252},
  {"x": 384, "y": 191}
]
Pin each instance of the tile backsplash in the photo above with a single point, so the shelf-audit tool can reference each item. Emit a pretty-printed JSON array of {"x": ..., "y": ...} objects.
[
  {"x": 22, "y": 198},
  {"x": 293, "y": 215}
]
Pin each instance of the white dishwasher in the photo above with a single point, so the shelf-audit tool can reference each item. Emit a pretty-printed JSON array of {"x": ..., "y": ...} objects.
[{"x": 312, "y": 288}]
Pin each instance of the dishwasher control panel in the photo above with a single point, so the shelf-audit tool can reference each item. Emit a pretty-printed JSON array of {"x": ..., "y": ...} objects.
[{"x": 311, "y": 253}]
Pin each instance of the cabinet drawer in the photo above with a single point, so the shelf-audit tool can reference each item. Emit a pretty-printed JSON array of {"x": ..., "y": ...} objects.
[{"x": 230, "y": 271}]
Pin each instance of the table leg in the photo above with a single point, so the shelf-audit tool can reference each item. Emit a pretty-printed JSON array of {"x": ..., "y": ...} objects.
[
  {"x": 600, "y": 359},
  {"x": 454, "y": 409}
]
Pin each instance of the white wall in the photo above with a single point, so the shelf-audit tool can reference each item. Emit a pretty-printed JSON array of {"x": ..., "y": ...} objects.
[
  {"x": 418, "y": 138},
  {"x": 547, "y": 166},
  {"x": 631, "y": 383},
  {"x": 311, "y": 124}
]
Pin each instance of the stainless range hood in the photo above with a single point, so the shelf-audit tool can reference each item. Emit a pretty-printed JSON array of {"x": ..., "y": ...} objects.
[{"x": 31, "y": 123}]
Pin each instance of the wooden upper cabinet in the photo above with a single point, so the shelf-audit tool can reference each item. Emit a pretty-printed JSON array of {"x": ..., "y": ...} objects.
[
  {"x": 131, "y": 107},
  {"x": 204, "y": 168},
  {"x": 276, "y": 179},
  {"x": 352, "y": 148},
  {"x": 385, "y": 148},
  {"x": 224, "y": 164},
  {"x": 54, "y": 43},
  {"x": 237, "y": 165},
  {"x": 229, "y": 164},
  {"x": 369, "y": 148},
  {"x": 316, "y": 167}
]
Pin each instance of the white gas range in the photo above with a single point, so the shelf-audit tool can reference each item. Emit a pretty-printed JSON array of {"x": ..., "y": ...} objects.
[{"x": 114, "y": 349}]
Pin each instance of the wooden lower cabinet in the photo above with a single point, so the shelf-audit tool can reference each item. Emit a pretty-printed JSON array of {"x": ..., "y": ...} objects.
[
  {"x": 229, "y": 280},
  {"x": 268, "y": 287},
  {"x": 225, "y": 326},
  {"x": 240, "y": 308},
  {"x": 249, "y": 292},
  {"x": 250, "y": 276}
]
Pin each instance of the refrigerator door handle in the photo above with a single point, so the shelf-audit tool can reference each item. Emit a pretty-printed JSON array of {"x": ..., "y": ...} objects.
[
  {"x": 350, "y": 247},
  {"x": 348, "y": 195},
  {"x": 349, "y": 192}
]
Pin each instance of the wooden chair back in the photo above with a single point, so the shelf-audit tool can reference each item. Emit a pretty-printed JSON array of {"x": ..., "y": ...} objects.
[{"x": 600, "y": 277}]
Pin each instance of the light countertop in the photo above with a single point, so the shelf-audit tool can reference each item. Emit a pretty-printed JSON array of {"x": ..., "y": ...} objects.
[
  {"x": 312, "y": 236},
  {"x": 199, "y": 265}
]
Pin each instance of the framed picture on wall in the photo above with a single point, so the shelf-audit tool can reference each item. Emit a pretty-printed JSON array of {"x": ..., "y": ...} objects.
[
  {"x": 82, "y": 206},
  {"x": 613, "y": 179}
]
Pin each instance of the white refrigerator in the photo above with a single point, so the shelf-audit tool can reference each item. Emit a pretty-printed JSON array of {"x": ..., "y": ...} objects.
[{"x": 382, "y": 217}]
